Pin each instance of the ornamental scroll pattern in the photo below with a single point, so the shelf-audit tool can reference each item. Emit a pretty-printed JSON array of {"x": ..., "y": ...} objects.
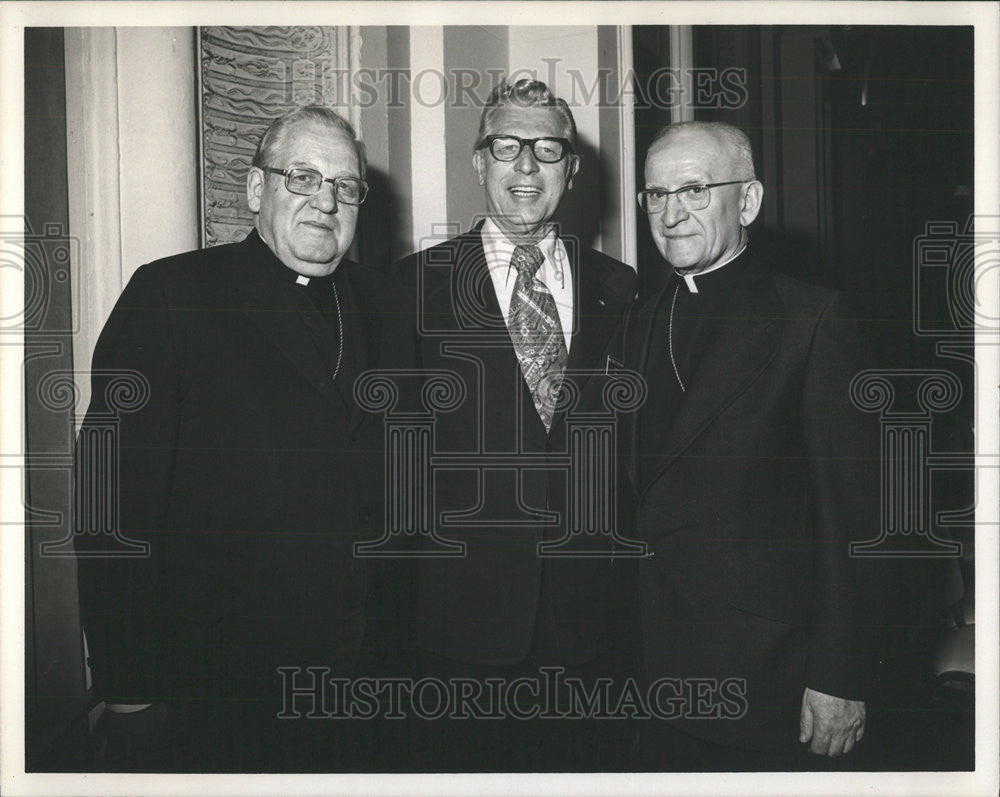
[{"x": 248, "y": 77}]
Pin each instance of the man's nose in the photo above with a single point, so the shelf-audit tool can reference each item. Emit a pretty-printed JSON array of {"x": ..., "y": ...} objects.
[
  {"x": 674, "y": 211},
  {"x": 325, "y": 200},
  {"x": 526, "y": 163}
]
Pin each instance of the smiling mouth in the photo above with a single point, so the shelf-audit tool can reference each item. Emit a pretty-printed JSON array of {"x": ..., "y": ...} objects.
[{"x": 525, "y": 191}]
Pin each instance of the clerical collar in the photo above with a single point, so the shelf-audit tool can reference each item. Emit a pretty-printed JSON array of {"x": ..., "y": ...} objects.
[
  {"x": 312, "y": 282},
  {"x": 689, "y": 279}
]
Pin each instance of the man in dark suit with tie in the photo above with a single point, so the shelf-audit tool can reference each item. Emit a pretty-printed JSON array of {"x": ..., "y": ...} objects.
[
  {"x": 527, "y": 319},
  {"x": 246, "y": 473},
  {"x": 750, "y": 474}
]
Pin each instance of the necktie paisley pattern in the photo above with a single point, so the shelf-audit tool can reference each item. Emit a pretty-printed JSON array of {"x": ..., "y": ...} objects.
[{"x": 533, "y": 321}]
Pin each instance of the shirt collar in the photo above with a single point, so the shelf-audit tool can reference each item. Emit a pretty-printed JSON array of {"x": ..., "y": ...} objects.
[{"x": 499, "y": 248}]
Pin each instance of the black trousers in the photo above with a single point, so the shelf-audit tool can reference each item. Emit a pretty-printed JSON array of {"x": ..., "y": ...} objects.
[{"x": 528, "y": 718}]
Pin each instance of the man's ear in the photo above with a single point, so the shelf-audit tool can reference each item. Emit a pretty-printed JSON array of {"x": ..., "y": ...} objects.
[
  {"x": 479, "y": 162},
  {"x": 255, "y": 186},
  {"x": 750, "y": 202},
  {"x": 571, "y": 170}
]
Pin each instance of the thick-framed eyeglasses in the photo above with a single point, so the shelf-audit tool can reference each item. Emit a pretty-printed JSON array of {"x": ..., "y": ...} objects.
[
  {"x": 508, "y": 148},
  {"x": 692, "y": 197},
  {"x": 349, "y": 190}
]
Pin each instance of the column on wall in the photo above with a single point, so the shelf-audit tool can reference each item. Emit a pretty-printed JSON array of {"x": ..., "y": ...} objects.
[
  {"x": 437, "y": 81},
  {"x": 566, "y": 58},
  {"x": 131, "y": 162}
]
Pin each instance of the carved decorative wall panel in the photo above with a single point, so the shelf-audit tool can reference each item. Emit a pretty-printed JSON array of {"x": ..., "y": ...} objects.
[{"x": 247, "y": 77}]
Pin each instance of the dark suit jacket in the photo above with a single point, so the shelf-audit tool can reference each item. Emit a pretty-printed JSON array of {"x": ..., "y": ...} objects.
[
  {"x": 766, "y": 474},
  {"x": 249, "y": 472},
  {"x": 487, "y": 606}
]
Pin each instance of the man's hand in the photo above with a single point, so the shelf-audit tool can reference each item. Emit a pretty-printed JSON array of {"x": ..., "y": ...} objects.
[{"x": 833, "y": 724}]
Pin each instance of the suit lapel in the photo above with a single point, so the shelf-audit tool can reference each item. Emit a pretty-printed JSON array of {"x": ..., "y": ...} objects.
[
  {"x": 743, "y": 345},
  {"x": 461, "y": 305},
  {"x": 601, "y": 294}
]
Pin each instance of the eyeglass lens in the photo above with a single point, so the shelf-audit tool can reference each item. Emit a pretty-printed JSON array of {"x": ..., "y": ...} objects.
[
  {"x": 546, "y": 150},
  {"x": 691, "y": 197},
  {"x": 308, "y": 182}
]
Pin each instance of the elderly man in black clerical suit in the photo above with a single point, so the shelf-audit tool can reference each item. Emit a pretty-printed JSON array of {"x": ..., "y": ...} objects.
[
  {"x": 750, "y": 473},
  {"x": 523, "y": 315},
  {"x": 249, "y": 471}
]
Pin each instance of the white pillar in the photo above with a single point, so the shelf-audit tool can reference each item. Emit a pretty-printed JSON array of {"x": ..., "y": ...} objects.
[
  {"x": 132, "y": 160},
  {"x": 681, "y": 63},
  {"x": 429, "y": 163},
  {"x": 567, "y": 60},
  {"x": 93, "y": 187},
  {"x": 158, "y": 144}
]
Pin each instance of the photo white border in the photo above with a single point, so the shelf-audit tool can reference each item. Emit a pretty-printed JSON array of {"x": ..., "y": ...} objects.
[{"x": 15, "y": 16}]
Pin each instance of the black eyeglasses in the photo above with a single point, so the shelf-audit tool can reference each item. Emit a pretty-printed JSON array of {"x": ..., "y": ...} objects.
[
  {"x": 508, "y": 148},
  {"x": 306, "y": 182},
  {"x": 692, "y": 197}
]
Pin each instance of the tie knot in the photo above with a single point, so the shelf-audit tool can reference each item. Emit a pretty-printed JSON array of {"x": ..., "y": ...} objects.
[{"x": 527, "y": 259}]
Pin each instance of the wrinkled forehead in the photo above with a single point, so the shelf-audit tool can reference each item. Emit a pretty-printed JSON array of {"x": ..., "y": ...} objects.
[
  {"x": 693, "y": 151},
  {"x": 309, "y": 141},
  {"x": 527, "y": 122}
]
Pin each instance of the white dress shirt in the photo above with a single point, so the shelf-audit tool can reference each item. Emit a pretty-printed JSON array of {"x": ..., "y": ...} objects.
[{"x": 555, "y": 273}]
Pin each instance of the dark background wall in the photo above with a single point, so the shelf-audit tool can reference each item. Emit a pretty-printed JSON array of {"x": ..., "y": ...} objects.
[
  {"x": 54, "y": 670},
  {"x": 863, "y": 137}
]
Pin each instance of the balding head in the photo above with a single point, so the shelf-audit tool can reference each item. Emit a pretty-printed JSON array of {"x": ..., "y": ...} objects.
[{"x": 733, "y": 144}]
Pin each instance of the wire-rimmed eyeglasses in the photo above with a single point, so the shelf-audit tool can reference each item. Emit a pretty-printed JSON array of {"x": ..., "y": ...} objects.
[{"x": 695, "y": 196}]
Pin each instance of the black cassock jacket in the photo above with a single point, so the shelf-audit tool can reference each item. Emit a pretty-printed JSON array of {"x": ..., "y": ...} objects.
[
  {"x": 748, "y": 496},
  {"x": 248, "y": 471}
]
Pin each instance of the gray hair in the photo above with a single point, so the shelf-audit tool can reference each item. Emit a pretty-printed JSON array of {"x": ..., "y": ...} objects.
[
  {"x": 274, "y": 136},
  {"x": 525, "y": 93},
  {"x": 732, "y": 137}
]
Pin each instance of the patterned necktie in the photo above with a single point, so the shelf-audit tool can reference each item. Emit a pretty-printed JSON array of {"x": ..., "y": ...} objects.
[{"x": 534, "y": 327}]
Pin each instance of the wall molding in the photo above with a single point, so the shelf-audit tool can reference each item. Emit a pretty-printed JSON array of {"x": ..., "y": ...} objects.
[{"x": 94, "y": 188}]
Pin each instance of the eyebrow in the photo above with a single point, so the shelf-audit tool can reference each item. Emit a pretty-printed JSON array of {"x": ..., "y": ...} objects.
[
  {"x": 308, "y": 165},
  {"x": 680, "y": 185}
]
